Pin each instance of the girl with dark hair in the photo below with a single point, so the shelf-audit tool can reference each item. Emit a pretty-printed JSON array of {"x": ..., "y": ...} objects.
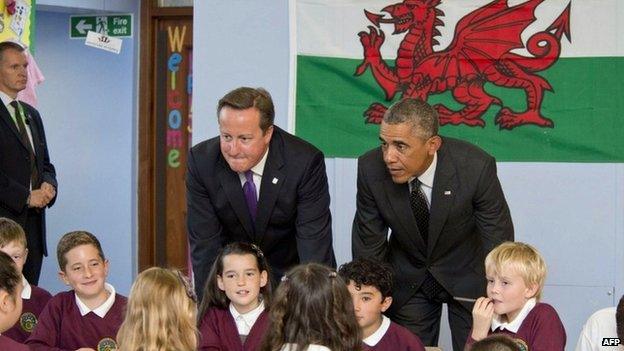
[
  {"x": 312, "y": 311},
  {"x": 10, "y": 301},
  {"x": 236, "y": 297}
]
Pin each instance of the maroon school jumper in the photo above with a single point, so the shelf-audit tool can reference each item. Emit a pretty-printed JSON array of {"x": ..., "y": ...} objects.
[
  {"x": 8, "y": 344},
  {"x": 61, "y": 327},
  {"x": 541, "y": 330},
  {"x": 397, "y": 338},
  {"x": 218, "y": 332},
  {"x": 31, "y": 310}
]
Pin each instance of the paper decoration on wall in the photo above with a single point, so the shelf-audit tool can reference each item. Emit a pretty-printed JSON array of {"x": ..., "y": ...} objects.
[{"x": 16, "y": 21}]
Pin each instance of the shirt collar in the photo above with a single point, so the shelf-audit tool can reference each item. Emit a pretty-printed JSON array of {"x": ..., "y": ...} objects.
[
  {"x": 6, "y": 99},
  {"x": 514, "y": 325},
  {"x": 426, "y": 178},
  {"x": 246, "y": 319},
  {"x": 375, "y": 338},
  {"x": 27, "y": 291},
  {"x": 259, "y": 167},
  {"x": 103, "y": 309}
]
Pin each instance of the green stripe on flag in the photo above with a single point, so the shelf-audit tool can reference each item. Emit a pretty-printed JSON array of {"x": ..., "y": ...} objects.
[{"x": 586, "y": 108}]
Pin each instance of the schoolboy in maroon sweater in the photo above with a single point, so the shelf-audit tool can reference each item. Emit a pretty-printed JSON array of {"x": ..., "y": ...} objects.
[
  {"x": 515, "y": 273},
  {"x": 13, "y": 243},
  {"x": 88, "y": 316},
  {"x": 370, "y": 285}
]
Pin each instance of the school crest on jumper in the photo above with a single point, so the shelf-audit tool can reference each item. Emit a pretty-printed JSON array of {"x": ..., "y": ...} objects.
[
  {"x": 107, "y": 344},
  {"x": 27, "y": 322},
  {"x": 483, "y": 50}
]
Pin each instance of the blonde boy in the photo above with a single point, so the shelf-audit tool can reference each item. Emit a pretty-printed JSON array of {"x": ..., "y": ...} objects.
[
  {"x": 13, "y": 243},
  {"x": 515, "y": 274},
  {"x": 87, "y": 317}
]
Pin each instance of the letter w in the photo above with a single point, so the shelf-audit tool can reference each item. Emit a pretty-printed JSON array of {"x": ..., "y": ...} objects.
[{"x": 175, "y": 39}]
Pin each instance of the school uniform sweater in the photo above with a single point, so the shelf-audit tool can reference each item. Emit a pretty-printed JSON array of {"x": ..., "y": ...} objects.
[
  {"x": 62, "y": 326},
  {"x": 34, "y": 300},
  {"x": 537, "y": 326},
  {"x": 8, "y": 344},
  {"x": 218, "y": 331},
  {"x": 390, "y": 337}
]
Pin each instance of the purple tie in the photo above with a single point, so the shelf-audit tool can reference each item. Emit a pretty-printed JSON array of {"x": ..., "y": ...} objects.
[{"x": 249, "y": 188}]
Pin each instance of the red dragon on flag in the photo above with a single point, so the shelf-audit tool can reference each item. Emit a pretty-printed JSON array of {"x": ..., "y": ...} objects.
[{"x": 480, "y": 52}]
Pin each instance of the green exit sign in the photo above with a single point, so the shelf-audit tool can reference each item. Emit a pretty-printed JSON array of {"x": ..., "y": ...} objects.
[{"x": 112, "y": 25}]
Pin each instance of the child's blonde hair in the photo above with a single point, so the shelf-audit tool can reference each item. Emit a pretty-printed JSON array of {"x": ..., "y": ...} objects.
[
  {"x": 11, "y": 231},
  {"x": 161, "y": 314},
  {"x": 521, "y": 258}
]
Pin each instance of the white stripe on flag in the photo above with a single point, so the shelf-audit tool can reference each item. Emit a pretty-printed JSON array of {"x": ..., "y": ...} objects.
[{"x": 329, "y": 27}]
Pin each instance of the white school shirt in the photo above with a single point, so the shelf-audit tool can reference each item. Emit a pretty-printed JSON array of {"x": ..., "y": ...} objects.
[
  {"x": 103, "y": 309},
  {"x": 245, "y": 321}
]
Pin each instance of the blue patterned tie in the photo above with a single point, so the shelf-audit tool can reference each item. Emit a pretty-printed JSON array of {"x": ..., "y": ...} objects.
[{"x": 249, "y": 188}]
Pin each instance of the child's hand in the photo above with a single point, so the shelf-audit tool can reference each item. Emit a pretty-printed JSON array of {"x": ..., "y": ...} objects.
[
  {"x": 85, "y": 349},
  {"x": 482, "y": 314}
]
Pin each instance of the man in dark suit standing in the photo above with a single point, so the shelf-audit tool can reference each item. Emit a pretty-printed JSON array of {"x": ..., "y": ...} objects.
[
  {"x": 443, "y": 202},
  {"x": 256, "y": 183},
  {"x": 27, "y": 178}
]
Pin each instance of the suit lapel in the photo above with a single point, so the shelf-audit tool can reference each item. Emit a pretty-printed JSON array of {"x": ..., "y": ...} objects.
[
  {"x": 272, "y": 180},
  {"x": 234, "y": 191},
  {"x": 6, "y": 118},
  {"x": 442, "y": 195},
  {"x": 34, "y": 131},
  {"x": 398, "y": 198}
]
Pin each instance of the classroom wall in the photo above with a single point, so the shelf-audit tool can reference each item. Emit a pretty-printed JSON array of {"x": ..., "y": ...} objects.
[
  {"x": 573, "y": 213},
  {"x": 88, "y": 105}
]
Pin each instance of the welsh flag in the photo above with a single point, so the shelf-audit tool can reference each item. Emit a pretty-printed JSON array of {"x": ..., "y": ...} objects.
[{"x": 527, "y": 80}]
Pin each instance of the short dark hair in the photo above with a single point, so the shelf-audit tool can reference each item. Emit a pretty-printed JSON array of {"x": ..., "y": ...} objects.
[
  {"x": 244, "y": 97},
  {"x": 419, "y": 114},
  {"x": 75, "y": 239},
  {"x": 619, "y": 318},
  {"x": 9, "y": 45},
  {"x": 497, "y": 342},
  {"x": 366, "y": 271},
  {"x": 9, "y": 277}
]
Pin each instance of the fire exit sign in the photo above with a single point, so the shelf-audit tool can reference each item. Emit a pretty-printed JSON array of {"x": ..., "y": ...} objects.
[{"x": 112, "y": 25}]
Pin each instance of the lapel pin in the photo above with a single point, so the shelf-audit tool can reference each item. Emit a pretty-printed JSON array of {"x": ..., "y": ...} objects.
[
  {"x": 447, "y": 192},
  {"x": 274, "y": 181}
]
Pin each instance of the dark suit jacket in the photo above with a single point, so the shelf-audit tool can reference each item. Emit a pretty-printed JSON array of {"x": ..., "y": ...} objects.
[
  {"x": 293, "y": 223},
  {"x": 15, "y": 166},
  {"x": 468, "y": 217}
]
